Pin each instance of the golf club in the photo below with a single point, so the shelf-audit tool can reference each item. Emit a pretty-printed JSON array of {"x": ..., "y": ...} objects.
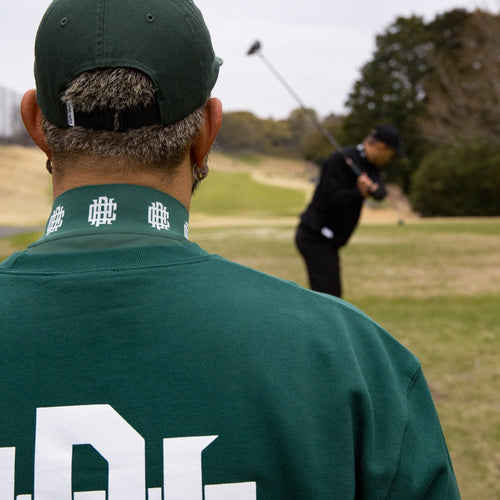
[{"x": 256, "y": 49}]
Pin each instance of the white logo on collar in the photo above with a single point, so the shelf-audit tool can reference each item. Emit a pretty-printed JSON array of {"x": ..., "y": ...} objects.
[
  {"x": 186, "y": 230},
  {"x": 56, "y": 220},
  {"x": 158, "y": 216},
  {"x": 102, "y": 211}
]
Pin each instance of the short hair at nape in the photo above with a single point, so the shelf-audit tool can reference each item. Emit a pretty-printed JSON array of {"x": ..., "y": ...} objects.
[{"x": 119, "y": 89}]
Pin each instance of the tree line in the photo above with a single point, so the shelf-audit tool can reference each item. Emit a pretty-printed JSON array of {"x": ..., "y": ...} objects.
[
  {"x": 12, "y": 130},
  {"x": 438, "y": 82}
]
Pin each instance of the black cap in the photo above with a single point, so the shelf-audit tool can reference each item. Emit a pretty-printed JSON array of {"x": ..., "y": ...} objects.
[{"x": 388, "y": 135}]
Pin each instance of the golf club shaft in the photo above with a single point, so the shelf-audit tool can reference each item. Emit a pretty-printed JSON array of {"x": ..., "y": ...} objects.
[{"x": 307, "y": 111}]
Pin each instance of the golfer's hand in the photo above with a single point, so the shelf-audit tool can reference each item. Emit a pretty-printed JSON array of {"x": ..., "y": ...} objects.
[{"x": 366, "y": 185}]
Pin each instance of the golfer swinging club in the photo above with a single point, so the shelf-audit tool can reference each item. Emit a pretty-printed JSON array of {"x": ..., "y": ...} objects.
[
  {"x": 348, "y": 176},
  {"x": 333, "y": 214}
]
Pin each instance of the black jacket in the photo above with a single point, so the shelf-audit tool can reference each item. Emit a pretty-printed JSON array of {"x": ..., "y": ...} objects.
[{"x": 336, "y": 203}]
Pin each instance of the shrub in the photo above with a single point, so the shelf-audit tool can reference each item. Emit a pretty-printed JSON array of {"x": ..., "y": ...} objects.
[{"x": 458, "y": 180}]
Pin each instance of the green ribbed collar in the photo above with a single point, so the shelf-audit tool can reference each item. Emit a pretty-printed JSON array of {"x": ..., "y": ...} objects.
[{"x": 116, "y": 208}]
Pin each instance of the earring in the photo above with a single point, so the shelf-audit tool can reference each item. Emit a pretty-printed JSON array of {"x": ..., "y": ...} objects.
[
  {"x": 200, "y": 173},
  {"x": 48, "y": 166}
]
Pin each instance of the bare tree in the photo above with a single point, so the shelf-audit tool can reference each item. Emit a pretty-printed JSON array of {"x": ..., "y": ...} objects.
[{"x": 463, "y": 93}]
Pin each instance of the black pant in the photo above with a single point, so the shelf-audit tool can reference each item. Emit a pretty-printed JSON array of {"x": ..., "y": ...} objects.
[{"x": 322, "y": 261}]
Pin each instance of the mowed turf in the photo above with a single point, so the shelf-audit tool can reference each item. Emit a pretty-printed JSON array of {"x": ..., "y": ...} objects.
[
  {"x": 438, "y": 292},
  {"x": 434, "y": 284}
]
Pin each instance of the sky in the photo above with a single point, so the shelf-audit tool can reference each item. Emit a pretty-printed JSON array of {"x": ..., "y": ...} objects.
[{"x": 317, "y": 46}]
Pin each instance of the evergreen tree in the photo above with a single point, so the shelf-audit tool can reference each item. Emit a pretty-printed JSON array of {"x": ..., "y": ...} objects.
[{"x": 391, "y": 87}]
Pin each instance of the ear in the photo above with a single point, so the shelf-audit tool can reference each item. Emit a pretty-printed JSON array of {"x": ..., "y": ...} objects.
[
  {"x": 211, "y": 126},
  {"x": 32, "y": 119}
]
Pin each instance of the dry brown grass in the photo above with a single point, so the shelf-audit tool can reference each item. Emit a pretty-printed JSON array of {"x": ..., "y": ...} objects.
[
  {"x": 444, "y": 264},
  {"x": 25, "y": 190}
]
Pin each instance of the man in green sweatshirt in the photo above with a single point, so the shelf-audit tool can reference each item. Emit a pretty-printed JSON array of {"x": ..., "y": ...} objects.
[{"x": 135, "y": 365}]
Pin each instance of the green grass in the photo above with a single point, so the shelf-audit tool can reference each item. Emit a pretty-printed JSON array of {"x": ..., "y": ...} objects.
[
  {"x": 246, "y": 158},
  {"x": 237, "y": 194},
  {"x": 434, "y": 284},
  {"x": 457, "y": 340},
  {"x": 16, "y": 242},
  {"x": 21, "y": 240},
  {"x": 436, "y": 287}
]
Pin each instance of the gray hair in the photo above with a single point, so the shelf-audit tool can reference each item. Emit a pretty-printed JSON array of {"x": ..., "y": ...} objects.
[{"x": 121, "y": 89}]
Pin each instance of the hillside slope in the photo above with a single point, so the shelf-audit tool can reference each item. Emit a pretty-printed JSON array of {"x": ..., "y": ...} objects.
[{"x": 26, "y": 193}]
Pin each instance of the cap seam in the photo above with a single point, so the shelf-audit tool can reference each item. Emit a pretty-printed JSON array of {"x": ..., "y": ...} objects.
[
  {"x": 100, "y": 24},
  {"x": 176, "y": 52}
]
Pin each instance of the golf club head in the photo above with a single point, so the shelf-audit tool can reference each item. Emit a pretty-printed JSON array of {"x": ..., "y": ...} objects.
[{"x": 254, "y": 48}]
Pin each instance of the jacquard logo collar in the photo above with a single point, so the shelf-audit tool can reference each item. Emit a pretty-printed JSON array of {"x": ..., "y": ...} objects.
[{"x": 116, "y": 208}]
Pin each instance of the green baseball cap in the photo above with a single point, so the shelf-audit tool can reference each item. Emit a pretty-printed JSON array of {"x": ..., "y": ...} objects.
[{"x": 165, "y": 39}]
